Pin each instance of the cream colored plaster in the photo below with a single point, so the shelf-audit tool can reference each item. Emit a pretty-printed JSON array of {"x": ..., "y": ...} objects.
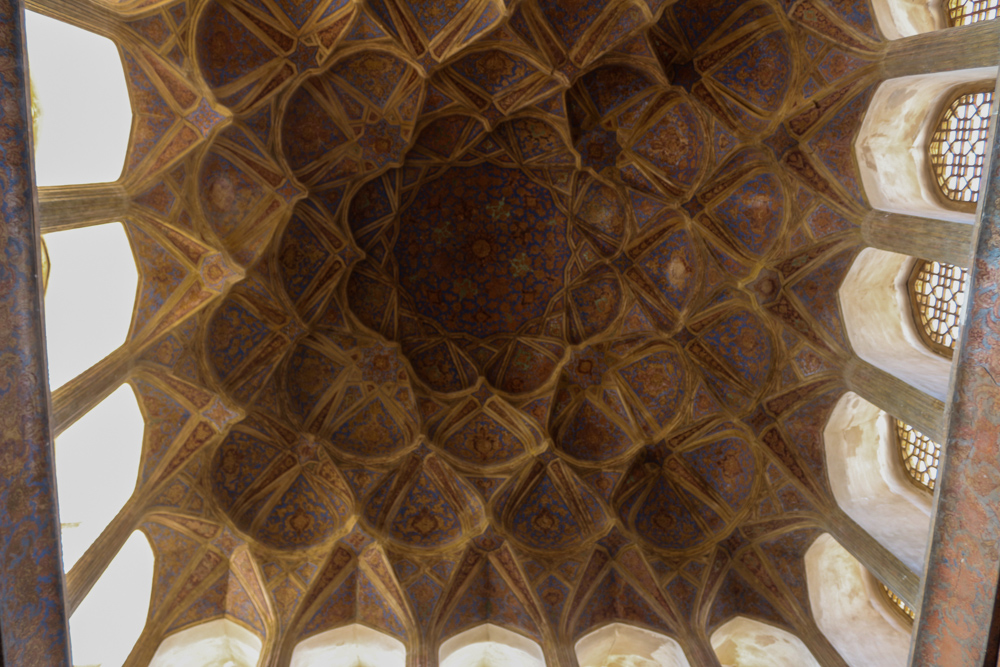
[
  {"x": 489, "y": 645},
  {"x": 743, "y": 642},
  {"x": 220, "y": 643},
  {"x": 877, "y": 315},
  {"x": 349, "y": 646},
  {"x": 850, "y": 611},
  {"x": 620, "y": 645},
  {"x": 892, "y": 145},
  {"x": 903, "y": 18},
  {"x": 868, "y": 480}
]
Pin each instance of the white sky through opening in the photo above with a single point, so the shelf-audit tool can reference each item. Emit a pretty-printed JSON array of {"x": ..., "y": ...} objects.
[{"x": 86, "y": 119}]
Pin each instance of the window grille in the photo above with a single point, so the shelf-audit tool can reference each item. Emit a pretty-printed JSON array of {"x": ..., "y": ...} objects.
[
  {"x": 920, "y": 455},
  {"x": 896, "y": 603},
  {"x": 937, "y": 296},
  {"x": 964, "y": 12},
  {"x": 958, "y": 146}
]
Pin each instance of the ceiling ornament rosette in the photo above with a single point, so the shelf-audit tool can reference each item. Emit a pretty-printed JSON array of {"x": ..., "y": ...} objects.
[{"x": 525, "y": 297}]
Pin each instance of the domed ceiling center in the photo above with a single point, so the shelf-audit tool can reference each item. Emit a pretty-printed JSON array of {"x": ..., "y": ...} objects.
[{"x": 482, "y": 250}]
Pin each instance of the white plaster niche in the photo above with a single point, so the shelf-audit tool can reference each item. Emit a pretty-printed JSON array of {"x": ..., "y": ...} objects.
[
  {"x": 490, "y": 645},
  {"x": 744, "y": 642},
  {"x": 849, "y": 609},
  {"x": 878, "y": 317},
  {"x": 621, "y": 645},
  {"x": 891, "y": 147},
  {"x": 870, "y": 483}
]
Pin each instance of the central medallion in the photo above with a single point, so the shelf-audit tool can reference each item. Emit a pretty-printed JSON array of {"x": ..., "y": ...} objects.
[{"x": 482, "y": 250}]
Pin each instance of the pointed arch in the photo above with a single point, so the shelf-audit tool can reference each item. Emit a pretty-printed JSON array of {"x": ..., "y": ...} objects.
[
  {"x": 847, "y": 606},
  {"x": 745, "y": 642},
  {"x": 869, "y": 482},
  {"x": 489, "y": 645},
  {"x": 97, "y": 464},
  {"x": 219, "y": 643},
  {"x": 621, "y": 645},
  {"x": 352, "y": 645},
  {"x": 90, "y": 297},
  {"x": 875, "y": 300},
  {"x": 85, "y": 114},
  {"x": 106, "y": 625}
]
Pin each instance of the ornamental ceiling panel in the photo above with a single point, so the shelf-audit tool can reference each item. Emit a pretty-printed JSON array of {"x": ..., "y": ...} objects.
[{"x": 479, "y": 311}]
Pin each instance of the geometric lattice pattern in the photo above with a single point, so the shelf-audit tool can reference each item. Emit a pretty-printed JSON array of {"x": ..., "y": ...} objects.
[
  {"x": 896, "y": 602},
  {"x": 937, "y": 291},
  {"x": 920, "y": 455},
  {"x": 958, "y": 146},
  {"x": 964, "y": 12}
]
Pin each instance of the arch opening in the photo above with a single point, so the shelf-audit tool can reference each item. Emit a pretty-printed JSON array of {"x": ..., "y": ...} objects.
[
  {"x": 870, "y": 483},
  {"x": 847, "y": 605},
  {"x": 218, "y": 643},
  {"x": 352, "y": 645},
  {"x": 875, "y": 299},
  {"x": 84, "y": 115},
  {"x": 892, "y": 146},
  {"x": 89, "y": 299},
  {"x": 744, "y": 642},
  {"x": 97, "y": 464},
  {"x": 111, "y": 618},
  {"x": 490, "y": 645},
  {"x": 621, "y": 645}
]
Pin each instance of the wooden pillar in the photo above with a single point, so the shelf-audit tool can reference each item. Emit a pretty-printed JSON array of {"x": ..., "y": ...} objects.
[
  {"x": 958, "y": 621},
  {"x": 898, "y": 398},
  {"x": 936, "y": 240},
  {"x": 965, "y": 47},
  {"x": 878, "y": 560},
  {"x": 33, "y": 627},
  {"x": 81, "y": 394},
  {"x": 99, "y": 555},
  {"x": 74, "y": 206}
]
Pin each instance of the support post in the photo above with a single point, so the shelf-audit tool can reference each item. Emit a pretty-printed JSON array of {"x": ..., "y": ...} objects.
[
  {"x": 958, "y": 622},
  {"x": 936, "y": 240},
  {"x": 900, "y": 399},
  {"x": 74, "y": 206},
  {"x": 965, "y": 47},
  {"x": 33, "y": 620}
]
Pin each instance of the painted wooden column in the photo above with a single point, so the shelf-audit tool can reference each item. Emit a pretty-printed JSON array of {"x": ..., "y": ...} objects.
[
  {"x": 936, "y": 240},
  {"x": 965, "y": 47},
  {"x": 33, "y": 621},
  {"x": 957, "y": 621},
  {"x": 74, "y": 206}
]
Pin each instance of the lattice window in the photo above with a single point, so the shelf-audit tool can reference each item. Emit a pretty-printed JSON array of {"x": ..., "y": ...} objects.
[
  {"x": 896, "y": 603},
  {"x": 964, "y": 12},
  {"x": 920, "y": 455},
  {"x": 937, "y": 296},
  {"x": 958, "y": 146}
]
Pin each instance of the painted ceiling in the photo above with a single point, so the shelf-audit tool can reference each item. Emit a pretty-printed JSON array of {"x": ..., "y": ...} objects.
[{"x": 464, "y": 311}]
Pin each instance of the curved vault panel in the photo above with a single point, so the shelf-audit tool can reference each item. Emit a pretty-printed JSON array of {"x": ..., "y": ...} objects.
[{"x": 516, "y": 290}]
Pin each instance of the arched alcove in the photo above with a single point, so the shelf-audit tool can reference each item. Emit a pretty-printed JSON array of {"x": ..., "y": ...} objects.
[
  {"x": 849, "y": 608},
  {"x": 869, "y": 482},
  {"x": 892, "y": 144},
  {"x": 106, "y": 625},
  {"x": 219, "y": 643},
  {"x": 620, "y": 645},
  {"x": 350, "y": 646},
  {"x": 489, "y": 645},
  {"x": 86, "y": 118},
  {"x": 90, "y": 297},
  {"x": 905, "y": 18},
  {"x": 744, "y": 642},
  {"x": 97, "y": 463},
  {"x": 875, "y": 300}
]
